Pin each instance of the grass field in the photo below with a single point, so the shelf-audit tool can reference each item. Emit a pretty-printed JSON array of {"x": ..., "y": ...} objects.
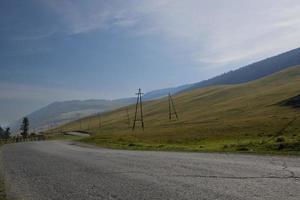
[{"x": 246, "y": 117}]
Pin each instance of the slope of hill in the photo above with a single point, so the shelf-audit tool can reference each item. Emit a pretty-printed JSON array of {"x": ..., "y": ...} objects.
[
  {"x": 254, "y": 71},
  {"x": 156, "y": 94},
  {"x": 41, "y": 118},
  {"x": 66, "y": 111},
  {"x": 59, "y": 113},
  {"x": 247, "y": 117}
]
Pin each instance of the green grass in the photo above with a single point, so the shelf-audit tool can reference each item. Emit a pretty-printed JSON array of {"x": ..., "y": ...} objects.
[{"x": 231, "y": 118}]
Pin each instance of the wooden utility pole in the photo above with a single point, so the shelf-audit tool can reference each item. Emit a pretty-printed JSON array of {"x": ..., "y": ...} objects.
[
  {"x": 139, "y": 103},
  {"x": 172, "y": 109}
]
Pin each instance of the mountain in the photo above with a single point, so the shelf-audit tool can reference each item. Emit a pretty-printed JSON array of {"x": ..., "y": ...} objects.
[
  {"x": 156, "y": 94},
  {"x": 59, "y": 113},
  {"x": 248, "y": 116},
  {"x": 254, "y": 71},
  {"x": 62, "y": 112}
]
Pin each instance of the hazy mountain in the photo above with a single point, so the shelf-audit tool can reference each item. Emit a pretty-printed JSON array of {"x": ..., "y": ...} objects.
[
  {"x": 254, "y": 71},
  {"x": 63, "y": 112},
  {"x": 155, "y": 94},
  {"x": 66, "y": 111},
  {"x": 252, "y": 114}
]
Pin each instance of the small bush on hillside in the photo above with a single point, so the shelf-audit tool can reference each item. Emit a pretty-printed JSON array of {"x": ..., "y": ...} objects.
[
  {"x": 32, "y": 134},
  {"x": 262, "y": 142},
  {"x": 242, "y": 148},
  {"x": 280, "y": 139},
  {"x": 260, "y": 135},
  {"x": 281, "y": 146}
]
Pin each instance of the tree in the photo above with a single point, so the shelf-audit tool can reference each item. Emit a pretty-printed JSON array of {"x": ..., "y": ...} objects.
[
  {"x": 1, "y": 132},
  {"x": 7, "y": 133},
  {"x": 25, "y": 127}
]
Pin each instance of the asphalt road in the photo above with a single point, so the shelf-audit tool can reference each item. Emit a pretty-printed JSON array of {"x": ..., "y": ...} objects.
[
  {"x": 77, "y": 134},
  {"x": 64, "y": 171}
]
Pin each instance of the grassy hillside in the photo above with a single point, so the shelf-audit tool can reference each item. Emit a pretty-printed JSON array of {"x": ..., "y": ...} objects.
[
  {"x": 66, "y": 111},
  {"x": 254, "y": 71},
  {"x": 246, "y": 117}
]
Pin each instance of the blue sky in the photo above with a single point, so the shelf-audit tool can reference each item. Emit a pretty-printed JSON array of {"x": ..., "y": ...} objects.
[{"x": 54, "y": 50}]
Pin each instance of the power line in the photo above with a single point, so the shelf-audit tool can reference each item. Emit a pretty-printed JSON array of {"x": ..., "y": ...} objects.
[
  {"x": 139, "y": 104},
  {"x": 172, "y": 109}
]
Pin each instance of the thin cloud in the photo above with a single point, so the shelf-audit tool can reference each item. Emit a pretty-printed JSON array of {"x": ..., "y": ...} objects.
[
  {"x": 13, "y": 91},
  {"x": 83, "y": 17},
  {"x": 36, "y": 36},
  {"x": 220, "y": 32}
]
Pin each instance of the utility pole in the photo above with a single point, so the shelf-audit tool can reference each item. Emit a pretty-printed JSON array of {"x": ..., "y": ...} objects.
[
  {"x": 139, "y": 103},
  {"x": 172, "y": 109}
]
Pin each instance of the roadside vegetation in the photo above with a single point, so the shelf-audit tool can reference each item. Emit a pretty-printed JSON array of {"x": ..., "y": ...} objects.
[
  {"x": 63, "y": 136},
  {"x": 5, "y": 138},
  {"x": 251, "y": 117}
]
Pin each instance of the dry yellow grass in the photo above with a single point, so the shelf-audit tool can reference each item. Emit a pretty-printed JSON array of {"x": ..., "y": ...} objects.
[{"x": 215, "y": 118}]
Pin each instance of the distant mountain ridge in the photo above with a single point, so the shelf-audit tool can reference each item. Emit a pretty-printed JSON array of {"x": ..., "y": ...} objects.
[
  {"x": 254, "y": 71},
  {"x": 155, "y": 94},
  {"x": 243, "y": 117},
  {"x": 63, "y": 112}
]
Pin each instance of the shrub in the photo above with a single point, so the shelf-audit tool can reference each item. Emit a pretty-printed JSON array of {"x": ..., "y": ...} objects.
[
  {"x": 281, "y": 146},
  {"x": 280, "y": 139},
  {"x": 242, "y": 148}
]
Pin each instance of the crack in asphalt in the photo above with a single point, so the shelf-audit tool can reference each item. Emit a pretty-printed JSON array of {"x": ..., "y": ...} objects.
[
  {"x": 207, "y": 176},
  {"x": 56, "y": 170},
  {"x": 285, "y": 168},
  {"x": 240, "y": 177}
]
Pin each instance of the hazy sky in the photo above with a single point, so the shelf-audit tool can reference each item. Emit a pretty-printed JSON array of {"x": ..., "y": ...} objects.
[{"x": 53, "y": 50}]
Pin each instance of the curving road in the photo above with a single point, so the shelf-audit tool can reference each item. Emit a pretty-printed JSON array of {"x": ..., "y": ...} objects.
[{"x": 64, "y": 171}]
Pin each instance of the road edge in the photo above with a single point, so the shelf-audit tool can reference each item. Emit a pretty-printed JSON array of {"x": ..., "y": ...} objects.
[{"x": 3, "y": 186}]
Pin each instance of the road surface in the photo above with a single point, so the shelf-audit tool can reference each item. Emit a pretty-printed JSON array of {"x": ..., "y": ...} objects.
[
  {"x": 64, "y": 171},
  {"x": 77, "y": 134}
]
